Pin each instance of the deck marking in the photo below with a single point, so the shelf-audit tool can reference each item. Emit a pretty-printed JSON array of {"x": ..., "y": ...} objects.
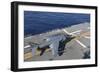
[
  {"x": 27, "y": 46},
  {"x": 76, "y": 32},
  {"x": 86, "y": 37},
  {"x": 80, "y": 43},
  {"x": 68, "y": 32}
]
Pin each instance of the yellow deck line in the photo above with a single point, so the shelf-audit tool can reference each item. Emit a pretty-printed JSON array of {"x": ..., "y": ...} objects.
[{"x": 29, "y": 54}]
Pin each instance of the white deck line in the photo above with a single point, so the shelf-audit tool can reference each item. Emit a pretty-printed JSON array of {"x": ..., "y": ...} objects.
[
  {"x": 76, "y": 31},
  {"x": 27, "y": 46},
  {"x": 80, "y": 43},
  {"x": 86, "y": 37},
  {"x": 68, "y": 32}
]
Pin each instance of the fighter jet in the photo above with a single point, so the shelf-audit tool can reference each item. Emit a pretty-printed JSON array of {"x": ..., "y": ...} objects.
[{"x": 56, "y": 43}]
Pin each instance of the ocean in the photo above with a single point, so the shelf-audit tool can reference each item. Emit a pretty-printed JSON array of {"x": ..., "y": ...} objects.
[{"x": 36, "y": 22}]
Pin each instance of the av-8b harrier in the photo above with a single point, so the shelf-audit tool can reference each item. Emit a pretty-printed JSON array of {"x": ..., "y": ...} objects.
[{"x": 56, "y": 43}]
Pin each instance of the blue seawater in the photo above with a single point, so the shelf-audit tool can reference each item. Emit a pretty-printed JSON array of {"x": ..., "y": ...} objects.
[{"x": 36, "y": 22}]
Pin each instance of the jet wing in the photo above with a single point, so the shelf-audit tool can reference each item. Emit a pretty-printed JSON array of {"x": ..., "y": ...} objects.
[{"x": 54, "y": 48}]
